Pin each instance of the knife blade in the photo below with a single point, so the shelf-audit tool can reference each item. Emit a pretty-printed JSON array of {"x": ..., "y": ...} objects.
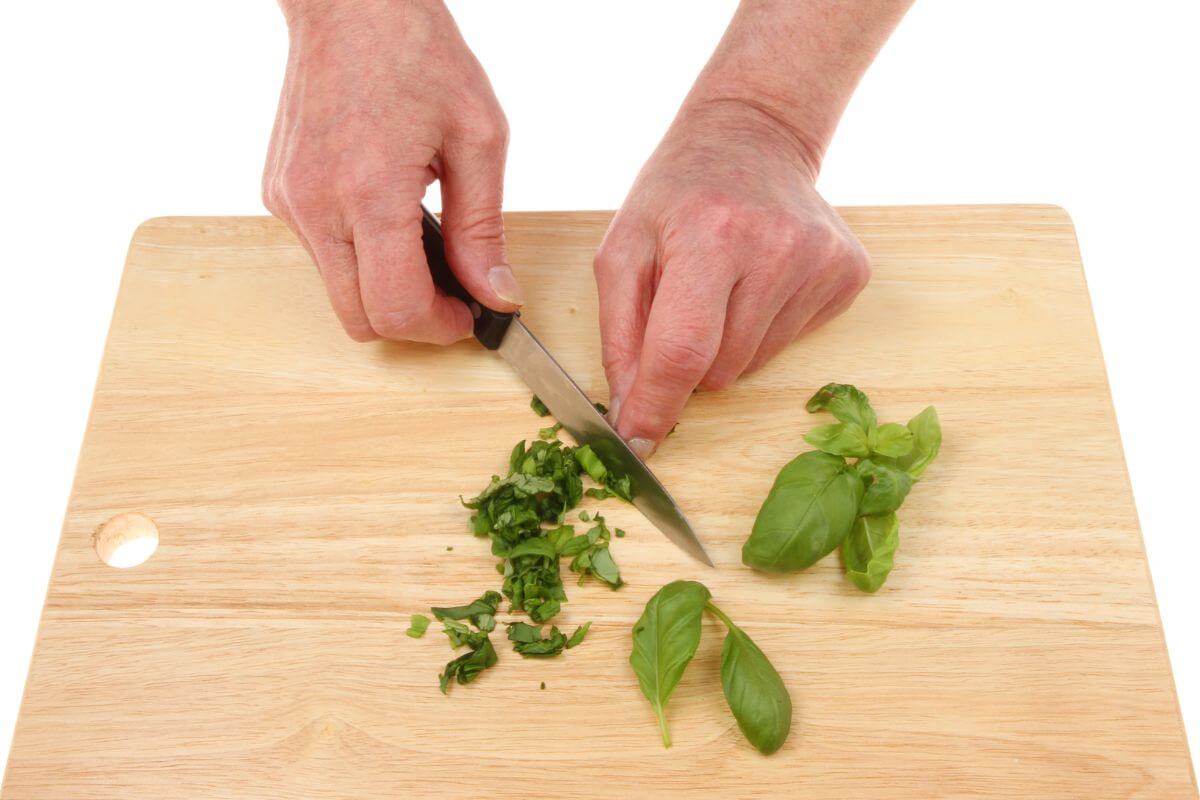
[{"x": 508, "y": 335}]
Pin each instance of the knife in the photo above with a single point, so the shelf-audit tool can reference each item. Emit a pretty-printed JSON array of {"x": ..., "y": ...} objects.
[{"x": 507, "y": 335}]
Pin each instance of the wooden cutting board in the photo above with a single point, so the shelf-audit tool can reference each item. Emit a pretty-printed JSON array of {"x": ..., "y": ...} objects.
[{"x": 306, "y": 491}]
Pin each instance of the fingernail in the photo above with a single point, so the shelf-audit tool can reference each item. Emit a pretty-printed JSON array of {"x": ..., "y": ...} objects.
[
  {"x": 644, "y": 448},
  {"x": 614, "y": 410},
  {"x": 504, "y": 284}
]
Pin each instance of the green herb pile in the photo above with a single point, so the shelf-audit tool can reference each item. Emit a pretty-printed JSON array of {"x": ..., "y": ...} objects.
[
  {"x": 665, "y": 638},
  {"x": 820, "y": 500},
  {"x": 524, "y": 514}
]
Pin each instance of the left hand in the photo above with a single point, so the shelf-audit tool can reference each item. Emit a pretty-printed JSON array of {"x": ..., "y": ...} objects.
[{"x": 722, "y": 254}]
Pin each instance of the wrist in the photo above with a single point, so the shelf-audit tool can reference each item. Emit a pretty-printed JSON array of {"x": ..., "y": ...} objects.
[
  {"x": 761, "y": 118},
  {"x": 306, "y": 11}
]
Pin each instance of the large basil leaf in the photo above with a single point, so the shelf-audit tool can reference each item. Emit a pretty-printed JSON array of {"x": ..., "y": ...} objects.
[
  {"x": 840, "y": 439},
  {"x": 869, "y": 551},
  {"x": 756, "y": 695},
  {"x": 807, "y": 514},
  {"x": 927, "y": 440},
  {"x": 893, "y": 440},
  {"x": 665, "y": 638},
  {"x": 845, "y": 402},
  {"x": 886, "y": 487}
]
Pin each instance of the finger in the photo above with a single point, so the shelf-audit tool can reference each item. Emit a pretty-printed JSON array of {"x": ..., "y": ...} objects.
[
  {"x": 472, "y": 192},
  {"x": 683, "y": 335},
  {"x": 338, "y": 265},
  {"x": 624, "y": 272},
  {"x": 753, "y": 305},
  {"x": 397, "y": 291},
  {"x": 788, "y": 323}
]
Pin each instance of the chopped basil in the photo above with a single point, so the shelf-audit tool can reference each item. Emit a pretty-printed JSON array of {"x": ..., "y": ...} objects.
[{"x": 418, "y": 624}]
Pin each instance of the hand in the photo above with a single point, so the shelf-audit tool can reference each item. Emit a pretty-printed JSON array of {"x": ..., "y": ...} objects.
[
  {"x": 722, "y": 254},
  {"x": 379, "y": 100}
]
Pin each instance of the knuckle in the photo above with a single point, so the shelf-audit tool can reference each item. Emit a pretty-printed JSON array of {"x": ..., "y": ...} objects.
[
  {"x": 858, "y": 267},
  {"x": 476, "y": 224},
  {"x": 717, "y": 380},
  {"x": 487, "y": 129},
  {"x": 682, "y": 358},
  {"x": 392, "y": 323},
  {"x": 360, "y": 332}
]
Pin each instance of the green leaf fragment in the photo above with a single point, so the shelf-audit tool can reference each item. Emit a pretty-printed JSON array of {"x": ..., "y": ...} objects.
[
  {"x": 466, "y": 668},
  {"x": 577, "y": 637},
  {"x": 528, "y": 641},
  {"x": 477, "y": 610},
  {"x": 418, "y": 624},
  {"x": 539, "y": 407}
]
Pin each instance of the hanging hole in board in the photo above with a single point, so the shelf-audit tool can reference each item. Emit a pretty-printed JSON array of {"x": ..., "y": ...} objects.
[{"x": 126, "y": 540}]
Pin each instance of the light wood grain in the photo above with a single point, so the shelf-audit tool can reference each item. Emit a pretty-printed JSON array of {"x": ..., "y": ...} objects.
[{"x": 306, "y": 488}]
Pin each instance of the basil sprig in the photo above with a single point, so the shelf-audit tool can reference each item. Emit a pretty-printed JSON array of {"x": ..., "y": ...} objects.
[
  {"x": 665, "y": 639},
  {"x": 820, "y": 500}
]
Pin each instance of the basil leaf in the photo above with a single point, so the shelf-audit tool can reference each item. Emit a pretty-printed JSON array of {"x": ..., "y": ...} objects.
[
  {"x": 893, "y": 440},
  {"x": 808, "y": 512},
  {"x": 591, "y": 463},
  {"x": 544, "y": 609},
  {"x": 665, "y": 638},
  {"x": 467, "y": 667},
  {"x": 418, "y": 624},
  {"x": 886, "y": 487},
  {"x": 551, "y": 432},
  {"x": 604, "y": 568},
  {"x": 840, "y": 439},
  {"x": 539, "y": 407},
  {"x": 870, "y": 549},
  {"x": 528, "y": 641},
  {"x": 845, "y": 402},
  {"x": 578, "y": 635},
  {"x": 487, "y": 604},
  {"x": 927, "y": 441},
  {"x": 753, "y": 689}
]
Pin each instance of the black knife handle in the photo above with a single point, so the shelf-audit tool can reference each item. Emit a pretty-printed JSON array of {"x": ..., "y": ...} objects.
[{"x": 489, "y": 325}]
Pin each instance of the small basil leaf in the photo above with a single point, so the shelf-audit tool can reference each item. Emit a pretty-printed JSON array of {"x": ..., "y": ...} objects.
[
  {"x": 487, "y": 604},
  {"x": 418, "y": 624},
  {"x": 806, "y": 515},
  {"x": 840, "y": 439},
  {"x": 753, "y": 689},
  {"x": 578, "y": 635},
  {"x": 845, "y": 402},
  {"x": 604, "y": 568},
  {"x": 927, "y": 441},
  {"x": 467, "y": 667},
  {"x": 886, "y": 487},
  {"x": 539, "y": 407},
  {"x": 893, "y": 440},
  {"x": 665, "y": 638},
  {"x": 591, "y": 463},
  {"x": 869, "y": 551}
]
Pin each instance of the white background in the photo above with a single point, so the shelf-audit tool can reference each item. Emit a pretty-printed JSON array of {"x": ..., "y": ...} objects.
[{"x": 115, "y": 112}]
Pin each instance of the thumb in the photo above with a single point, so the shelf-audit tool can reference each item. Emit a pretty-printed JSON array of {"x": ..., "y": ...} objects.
[{"x": 472, "y": 191}]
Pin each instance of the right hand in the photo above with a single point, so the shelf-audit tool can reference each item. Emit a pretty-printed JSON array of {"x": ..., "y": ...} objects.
[{"x": 379, "y": 100}]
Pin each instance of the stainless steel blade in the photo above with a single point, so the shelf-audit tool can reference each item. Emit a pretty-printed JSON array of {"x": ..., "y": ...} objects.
[{"x": 579, "y": 417}]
